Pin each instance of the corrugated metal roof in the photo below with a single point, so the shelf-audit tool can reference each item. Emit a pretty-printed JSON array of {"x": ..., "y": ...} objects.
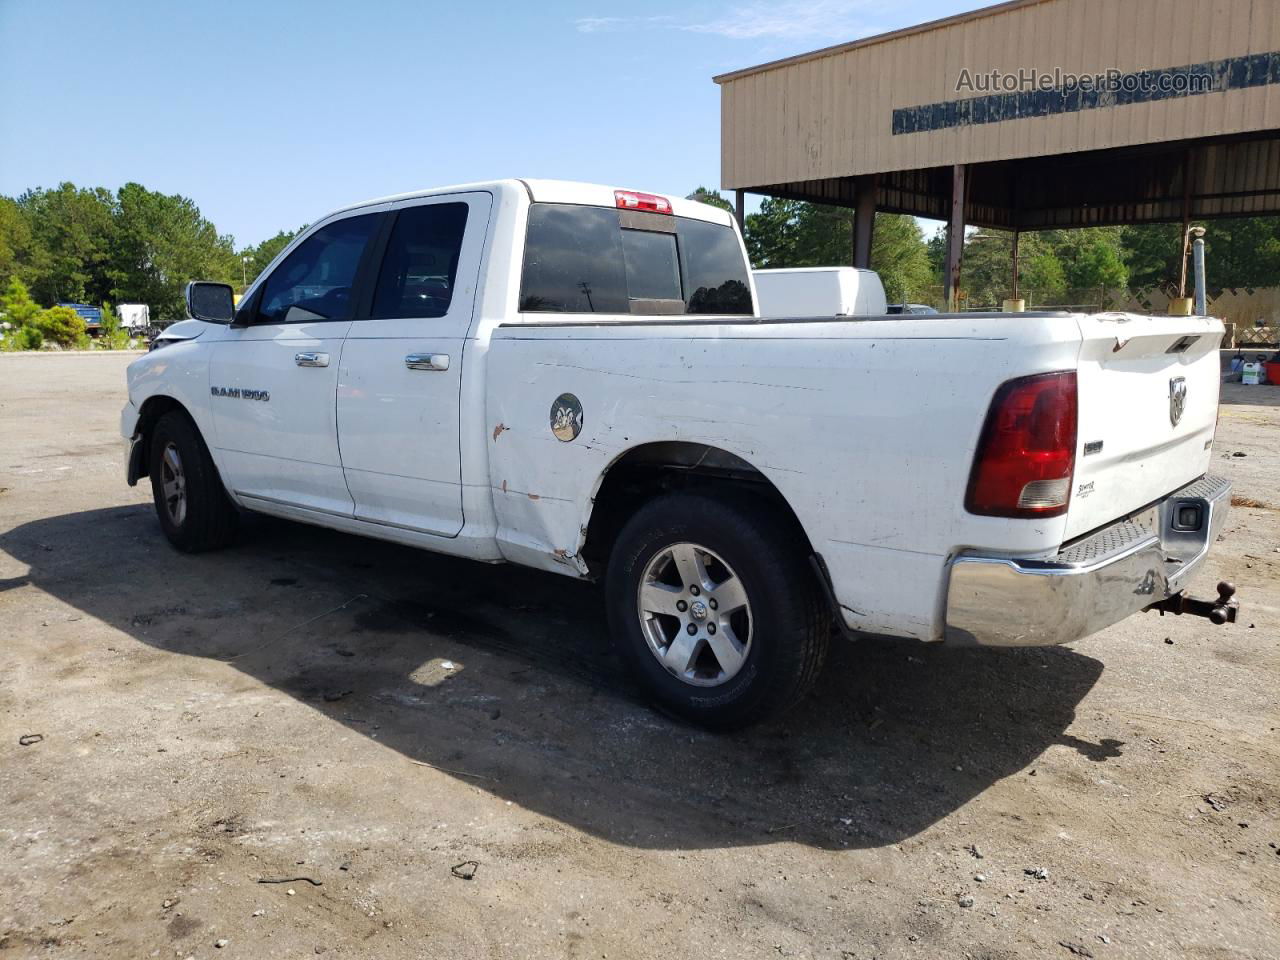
[
  {"x": 914, "y": 100},
  {"x": 877, "y": 38}
]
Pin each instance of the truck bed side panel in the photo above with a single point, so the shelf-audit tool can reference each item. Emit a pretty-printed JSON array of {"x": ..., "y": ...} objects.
[{"x": 866, "y": 428}]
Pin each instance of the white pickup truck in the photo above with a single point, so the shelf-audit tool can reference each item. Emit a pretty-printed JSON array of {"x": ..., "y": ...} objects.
[{"x": 575, "y": 378}]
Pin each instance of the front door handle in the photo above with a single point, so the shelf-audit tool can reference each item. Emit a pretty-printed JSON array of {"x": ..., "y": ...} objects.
[
  {"x": 311, "y": 359},
  {"x": 427, "y": 361}
]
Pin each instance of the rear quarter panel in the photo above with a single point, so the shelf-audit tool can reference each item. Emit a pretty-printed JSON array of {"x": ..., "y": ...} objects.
[{"x": 866, "y": 427}]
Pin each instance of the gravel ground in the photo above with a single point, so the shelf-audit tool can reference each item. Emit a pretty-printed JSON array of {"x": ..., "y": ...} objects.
[{"x": 355, "y": 720}]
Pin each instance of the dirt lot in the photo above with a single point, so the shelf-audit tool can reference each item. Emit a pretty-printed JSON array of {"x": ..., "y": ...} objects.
[{"x": 356, "y": 719}]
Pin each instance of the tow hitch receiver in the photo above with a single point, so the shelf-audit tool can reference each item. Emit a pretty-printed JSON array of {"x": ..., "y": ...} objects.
[{"x": 1220, "y": 611}]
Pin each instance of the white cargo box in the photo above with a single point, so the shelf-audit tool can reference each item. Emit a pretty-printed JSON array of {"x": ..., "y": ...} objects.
[
  {"x": 820, "y": 292},
  {"x": 134, "y": 316}
]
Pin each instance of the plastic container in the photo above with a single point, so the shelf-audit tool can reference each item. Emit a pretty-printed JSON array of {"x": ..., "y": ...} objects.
[{"x": 1273, "y": 371}]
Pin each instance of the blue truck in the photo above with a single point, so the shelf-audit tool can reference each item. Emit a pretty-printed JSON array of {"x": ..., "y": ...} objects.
[{"x": 92, "y": 316}]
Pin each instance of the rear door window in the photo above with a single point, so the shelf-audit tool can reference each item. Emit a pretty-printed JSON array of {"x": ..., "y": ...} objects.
[
  {"x": 583, "y": 259},
  {"x": 315, "y": 281},
  {"x": 421, "y": 263}
]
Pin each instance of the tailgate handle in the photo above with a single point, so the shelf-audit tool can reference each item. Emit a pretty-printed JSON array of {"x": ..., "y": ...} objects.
[{"x": 311, "y": 359}]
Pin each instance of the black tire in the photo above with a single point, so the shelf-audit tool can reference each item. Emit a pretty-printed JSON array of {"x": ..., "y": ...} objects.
[
  {"x": 790, "y": 623},
  {"x": 209, "y": 519}
]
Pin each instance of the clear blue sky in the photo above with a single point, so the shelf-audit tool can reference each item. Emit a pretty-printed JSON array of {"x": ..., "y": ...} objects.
[{"x": 269, "y": 114}]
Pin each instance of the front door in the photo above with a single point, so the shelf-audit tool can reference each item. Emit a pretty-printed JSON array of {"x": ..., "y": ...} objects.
[
  {"x": 399, "y": 384},
  {"x": 273, "y": 382}
]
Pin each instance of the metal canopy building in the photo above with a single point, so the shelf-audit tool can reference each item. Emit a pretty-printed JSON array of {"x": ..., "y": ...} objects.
[{"x": 1027, "y": 115}]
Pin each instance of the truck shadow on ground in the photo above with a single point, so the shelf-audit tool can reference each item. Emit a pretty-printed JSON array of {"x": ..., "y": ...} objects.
[{"x": 504, "y": 677}]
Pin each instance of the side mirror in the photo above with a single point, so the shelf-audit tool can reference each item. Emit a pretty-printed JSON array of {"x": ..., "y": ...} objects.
[{"x": 214, "y": 302}]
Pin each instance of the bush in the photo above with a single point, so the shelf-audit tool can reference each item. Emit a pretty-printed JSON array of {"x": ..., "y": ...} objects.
[
  {"x": 22, "y": 338},
  {"x": 63, "y": 326},
  {"x": 112, "y": 336}
]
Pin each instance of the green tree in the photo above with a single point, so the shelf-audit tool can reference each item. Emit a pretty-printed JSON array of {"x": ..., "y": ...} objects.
[
  {"x": 712, "y": 197},
  {"x": 70, "y": 246},
  {"x": 1043, "y": 281},
  {"x": 791, "y": 233},
  {"x": 1239, "y": 253},
  {"x": 936, "y": 248},
  {"x": 17, "y": 306},
  {"x": 112, "y": 336},
  {"x": 771, "y": 234},
  {"x": 260, "y": 257},
  {"x": 899, "y": 255},
  {"x": 986, "y": 270},
  {"x": 15, "y": 239},
  {"x": 1151, "y": 254},
  {"x": 162, "y": 242},
  {"x": 986, "y": 267},
  {"x": 1091, "y": 257},
  {"x": 1243, "y": 252}
]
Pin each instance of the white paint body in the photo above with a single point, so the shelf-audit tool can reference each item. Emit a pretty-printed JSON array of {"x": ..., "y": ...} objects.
[
  {"x": 819, "y": 292},
  {"x": 867, "y": 427}
]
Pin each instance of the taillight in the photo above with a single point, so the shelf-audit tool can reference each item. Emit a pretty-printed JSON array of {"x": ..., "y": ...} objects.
[
  {"x": 1027, "y": 453},
  {"x": 631, "y": 200}
]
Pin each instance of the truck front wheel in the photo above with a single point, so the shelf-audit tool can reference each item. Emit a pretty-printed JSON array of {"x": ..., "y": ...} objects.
[
  {"x": 713, "y": 605},
  {"x": 194, "y": 510}
]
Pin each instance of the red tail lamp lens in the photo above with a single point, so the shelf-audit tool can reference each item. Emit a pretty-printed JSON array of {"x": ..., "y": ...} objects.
[{"x": 1027, "y": 453}]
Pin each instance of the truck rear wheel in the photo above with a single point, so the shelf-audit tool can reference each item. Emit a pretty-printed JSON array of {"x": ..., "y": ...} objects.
[
  {"x": 713, "y": 605},
  {"x": 194, "y": 510}
]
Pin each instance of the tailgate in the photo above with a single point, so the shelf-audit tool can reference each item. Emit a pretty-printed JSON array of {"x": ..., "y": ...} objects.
[{"x": 1148, "y": 389}]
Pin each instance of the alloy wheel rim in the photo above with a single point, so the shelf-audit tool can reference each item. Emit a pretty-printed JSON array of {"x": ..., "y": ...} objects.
[
  {"x": 173, "y": 484},
  {"x": 695, "y": 615}
]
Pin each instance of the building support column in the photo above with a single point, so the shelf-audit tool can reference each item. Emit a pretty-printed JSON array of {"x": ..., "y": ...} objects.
[
  {"x": 740, "y": 208},
  {"x": 1016, "y": 266},
  {"x": 955, "y": 237},
  {"x": 864, "y": 198}
]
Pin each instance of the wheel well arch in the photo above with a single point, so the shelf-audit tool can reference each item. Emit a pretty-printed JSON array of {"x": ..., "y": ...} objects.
[
  {"x": 652, "y": 469},
  {"x": 153, "y": 408}
]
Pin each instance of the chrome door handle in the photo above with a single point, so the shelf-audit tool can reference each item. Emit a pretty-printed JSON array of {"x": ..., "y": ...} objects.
[
  {"x": 427, "y": 361},
  {"x": 311, "y": 359}
]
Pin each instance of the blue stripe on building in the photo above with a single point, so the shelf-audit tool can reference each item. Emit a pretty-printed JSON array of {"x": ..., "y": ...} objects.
[{"x": 1143, "y": 86}]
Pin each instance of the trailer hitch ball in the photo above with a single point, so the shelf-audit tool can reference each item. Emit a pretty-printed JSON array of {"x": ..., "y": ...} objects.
[{"x": 1222, "y": 610}]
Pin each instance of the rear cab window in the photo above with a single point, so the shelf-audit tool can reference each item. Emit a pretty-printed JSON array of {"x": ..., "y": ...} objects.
[{"x": 586, "y": 259}]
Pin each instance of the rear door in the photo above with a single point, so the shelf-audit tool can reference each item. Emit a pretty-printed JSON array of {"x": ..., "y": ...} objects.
[
  {"x": 1148, "y": 396},
  {"x": 402, "y": 367},
  {"x": 273, "y": 381}
]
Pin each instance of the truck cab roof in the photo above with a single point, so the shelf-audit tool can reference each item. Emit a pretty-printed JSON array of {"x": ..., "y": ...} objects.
[{"x": 555, "y": 191}]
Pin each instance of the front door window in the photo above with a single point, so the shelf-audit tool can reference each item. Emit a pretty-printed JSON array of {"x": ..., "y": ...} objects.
[{"x": 315, "y": 281}]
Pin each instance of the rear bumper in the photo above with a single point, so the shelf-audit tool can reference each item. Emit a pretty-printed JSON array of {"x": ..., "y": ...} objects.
[{"x": 1090, "y": 584}]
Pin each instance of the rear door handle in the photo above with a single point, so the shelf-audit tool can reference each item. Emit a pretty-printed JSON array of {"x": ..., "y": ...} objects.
[
  {"x": 311, "y": 359},
  {"x": 427, "y": 361}
]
